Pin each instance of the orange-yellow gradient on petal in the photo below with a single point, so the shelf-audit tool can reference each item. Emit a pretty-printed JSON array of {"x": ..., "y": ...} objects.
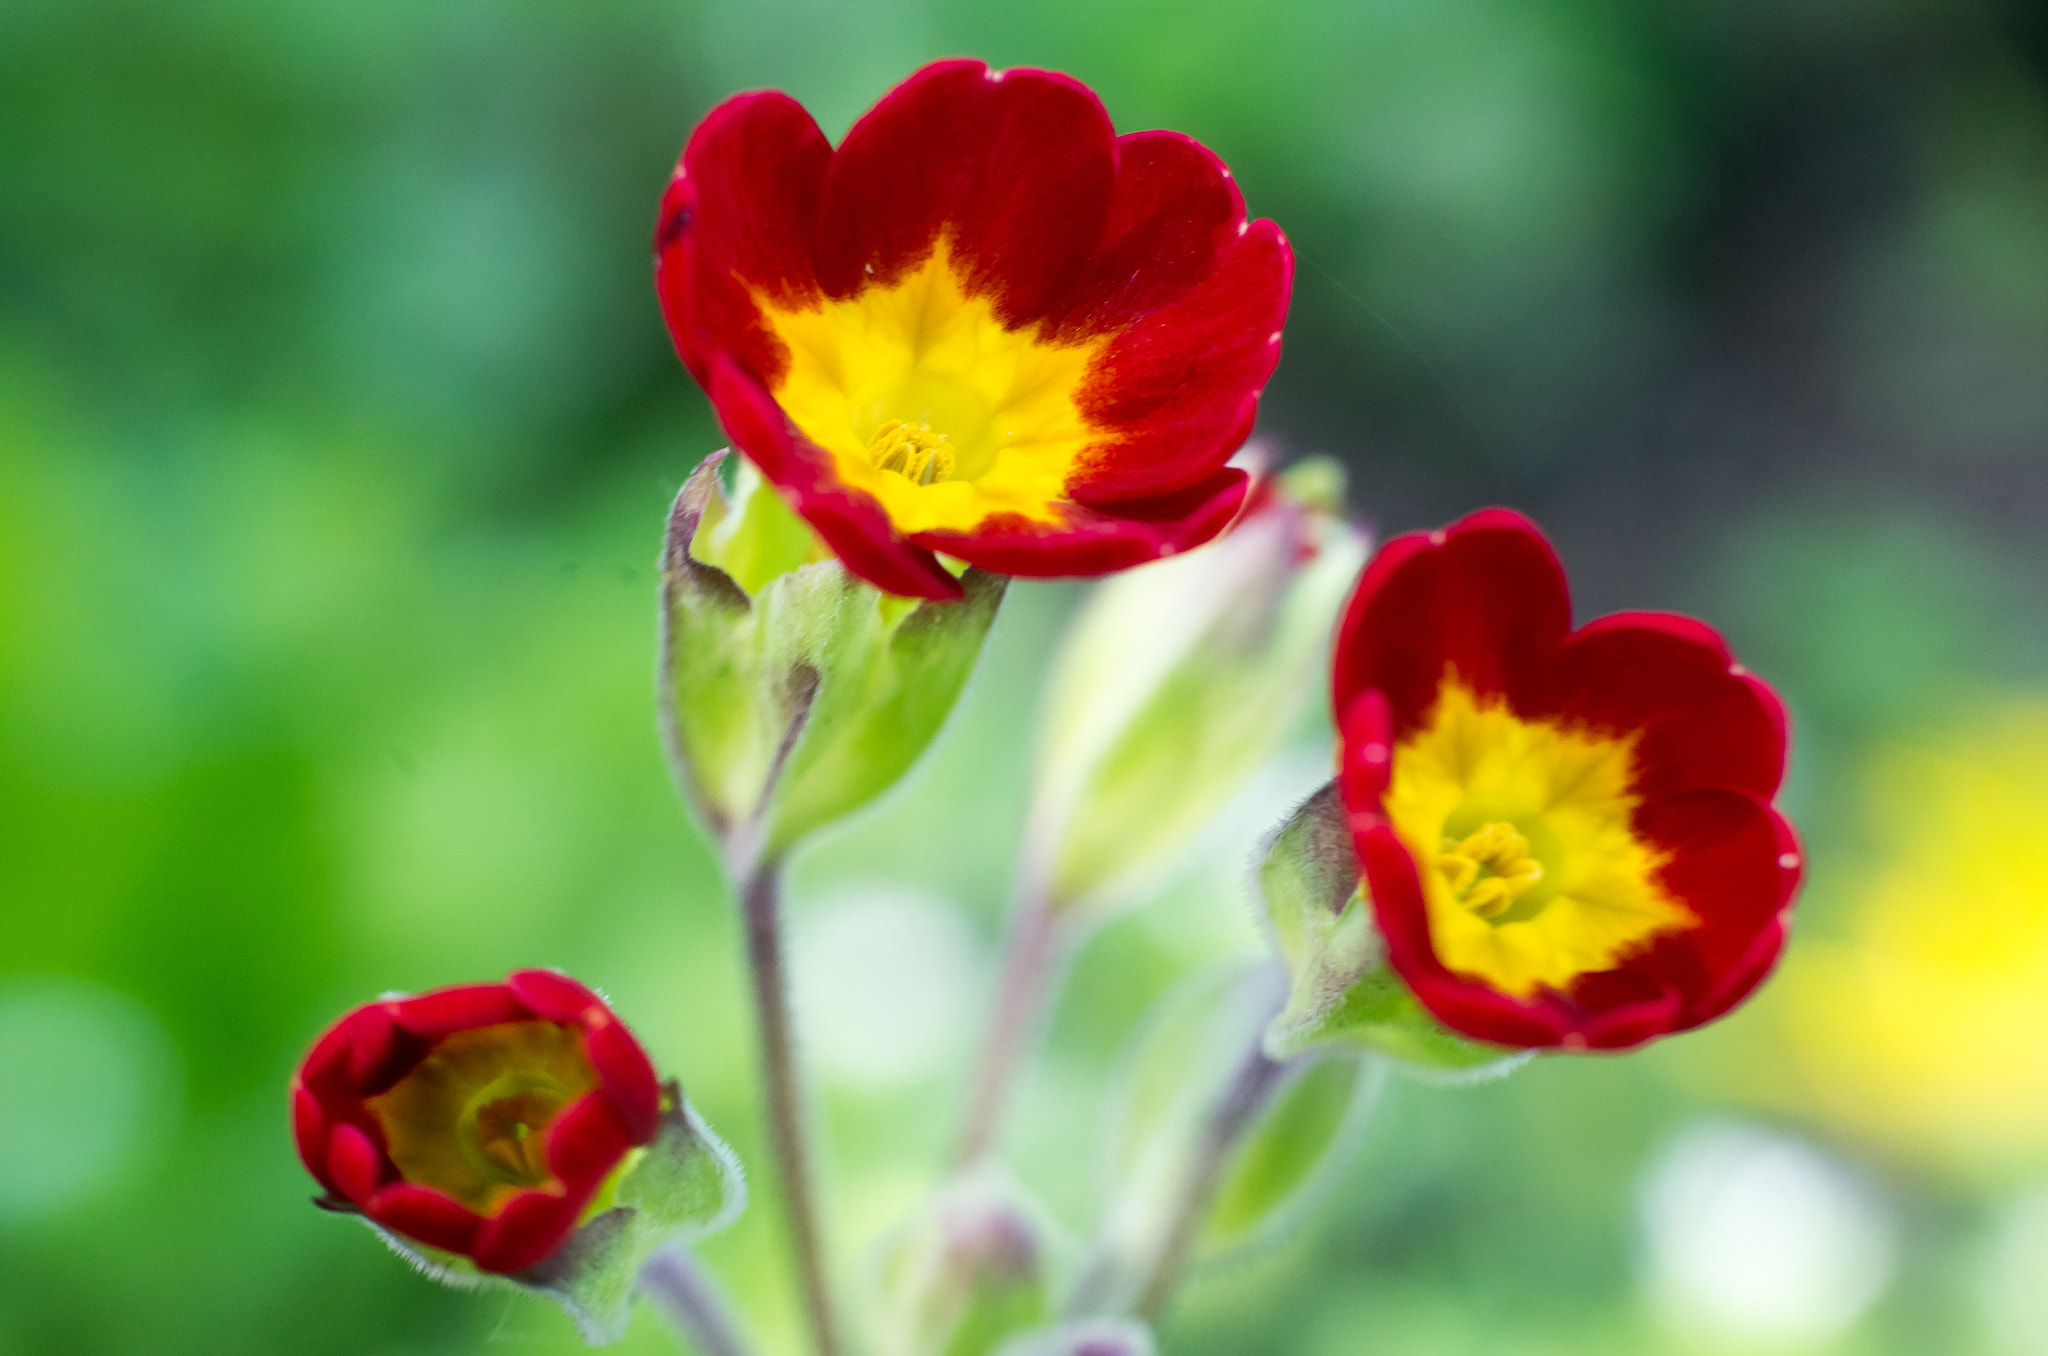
[{"x": 1925, "y": 1022}]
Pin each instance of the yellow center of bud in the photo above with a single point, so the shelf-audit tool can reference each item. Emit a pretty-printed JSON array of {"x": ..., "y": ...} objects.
[
  {"x": 912, "y": 451},
  {"x": 472, "y": 1119},
  {"x": 500, "y": 1129},
  {"x": 1489, "y": 869}
]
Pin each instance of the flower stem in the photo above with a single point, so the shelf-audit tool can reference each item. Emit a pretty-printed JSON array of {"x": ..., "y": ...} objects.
[
  {"x": 673, "y": 1279},
  {"x": 761, "y": 904},
  {"x": 1028, "y": 958},
  {"x": 1136, "y": 1275},
  {"x": 1256, "y": 1078}
]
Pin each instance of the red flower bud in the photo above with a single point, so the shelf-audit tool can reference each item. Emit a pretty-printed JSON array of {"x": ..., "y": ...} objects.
[{"x": 484, "y": 1120}]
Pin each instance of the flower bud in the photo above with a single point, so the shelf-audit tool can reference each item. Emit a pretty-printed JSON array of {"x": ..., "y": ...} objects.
[
  {"x": 1089, "y": 1337},
  {"x": 969, "y": 1271},
  {"x": 792, "y": 692},
  {"x": 1341, "y": 990},
  {"x": 1178, "y": 679},
  {"x": 514, "y": 1132}
]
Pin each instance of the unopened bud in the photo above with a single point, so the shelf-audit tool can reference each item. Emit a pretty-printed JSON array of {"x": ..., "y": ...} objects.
[
  {"x": 967, "y": 1273},
  {"x": 1178, "y": 679}
]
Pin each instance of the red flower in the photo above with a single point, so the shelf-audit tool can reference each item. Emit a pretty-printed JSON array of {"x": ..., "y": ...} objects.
[
  {"x": 1568, "y": 835},
  {"x": 483, "y": 1120},
  {"x": 984, "y": 325}
]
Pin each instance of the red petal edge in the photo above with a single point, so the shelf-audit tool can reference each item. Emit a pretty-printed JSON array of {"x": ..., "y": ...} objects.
[
  {"x": 531, "y": 1225},
  {"x": 552, "y": 995},
  {"x": 626, "y": 1076}
]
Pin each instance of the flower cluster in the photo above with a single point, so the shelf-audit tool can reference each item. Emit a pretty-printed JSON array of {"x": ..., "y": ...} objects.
[{"x": 985, "y": 337}]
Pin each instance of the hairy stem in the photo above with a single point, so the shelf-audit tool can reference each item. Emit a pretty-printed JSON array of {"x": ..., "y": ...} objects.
[
  {"x": 1254, "y": 1080},
  {"x": 1136, "y": 1261},
  {"x": 685, "y": 1291},
  {"x": 760, "y": 897},
  {"x": 1027, "y": 965}
]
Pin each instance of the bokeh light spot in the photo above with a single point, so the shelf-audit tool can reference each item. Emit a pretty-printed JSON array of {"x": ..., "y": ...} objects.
[
  {"x": 91, "y": 1083},
  {"x": 1753, "y": 1234},
  {"x": 889, "y": 978}
]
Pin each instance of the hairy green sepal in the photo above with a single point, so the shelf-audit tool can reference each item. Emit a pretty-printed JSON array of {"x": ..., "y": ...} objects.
[
  {"x": 685, "y": 1185},
  {"x": 793, "y": 693},
  {"x": 1341, "y": 990}
]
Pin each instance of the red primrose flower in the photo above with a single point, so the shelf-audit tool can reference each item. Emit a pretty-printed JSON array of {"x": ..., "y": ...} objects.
[
  {"x": 1568, "y": 834},
  {"x": 484, "y": 1121},
  {"x": 984, "y": 325}
]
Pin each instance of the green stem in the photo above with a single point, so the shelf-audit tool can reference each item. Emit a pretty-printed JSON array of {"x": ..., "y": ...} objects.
[
  {"x": 760, "y": 899},
  {"x": 1256, "y": 1078},
  {"x": 685, "y": 1291},
  {"x": 1138, "y": 1276},
  {"x": 1028, "y": 960}
]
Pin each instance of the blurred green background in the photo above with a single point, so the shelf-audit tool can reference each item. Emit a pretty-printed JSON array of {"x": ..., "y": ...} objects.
[{"x": 337, "y": 424}]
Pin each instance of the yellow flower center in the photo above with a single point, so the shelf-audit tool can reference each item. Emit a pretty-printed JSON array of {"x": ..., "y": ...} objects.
[
  {"x": 500, "y": 1129},
  {"x": 926, "y": 401},
  {"x": 472, "y": 1118},
  {"x": 1490, "y": 869},
  {"x": 1537, "y": 876},
  {"x": 912, "y": 451}
]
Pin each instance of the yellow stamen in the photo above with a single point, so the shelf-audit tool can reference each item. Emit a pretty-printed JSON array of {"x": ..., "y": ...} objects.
[
  {"x": 1490, "y": 869},
  {"x": 497, "y": 1128},
  {"x": 912, "y": 451}
]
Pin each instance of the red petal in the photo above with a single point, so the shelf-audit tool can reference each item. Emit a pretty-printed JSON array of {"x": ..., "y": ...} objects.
[
  {"x": 1172, "y": 212},
  {"x": 1016, "y": 167},
  {"x": 1092, "y": 541},
  {"x": 1485, "y": 597},
  {"x": 552, "y": 995},
  {"x": 531, "y": 1225},
  {"x": 585, "y": 1141},
  {"x": 1367, "y": 755},
  {"x": 460, "y": 1008},
  {"x": 625, "y": 1075},
  {"x": 1617, "y": 1009},
  {"x": 425, "y": 1216},
  {"x": 740, "y": 214},
  {"x": 354, "y": 1162},
  {"x": 1741, "y": 979},
  {"x": 326, "y": 1063},
  {"x": 309, "y": 1134},
  {"x": 851, "y": 522},
  {"x": 1178, "y": 389},
  {"x": 1701, "y": 720},
  {"x": 371, "y": 1038}
]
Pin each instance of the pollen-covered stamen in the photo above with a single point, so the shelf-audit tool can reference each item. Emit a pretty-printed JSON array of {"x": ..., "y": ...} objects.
[
  {"x": 1490, "y": 869},
  {"x": 912, "y": 451},
  {"x": 502, "y": 1128}
]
